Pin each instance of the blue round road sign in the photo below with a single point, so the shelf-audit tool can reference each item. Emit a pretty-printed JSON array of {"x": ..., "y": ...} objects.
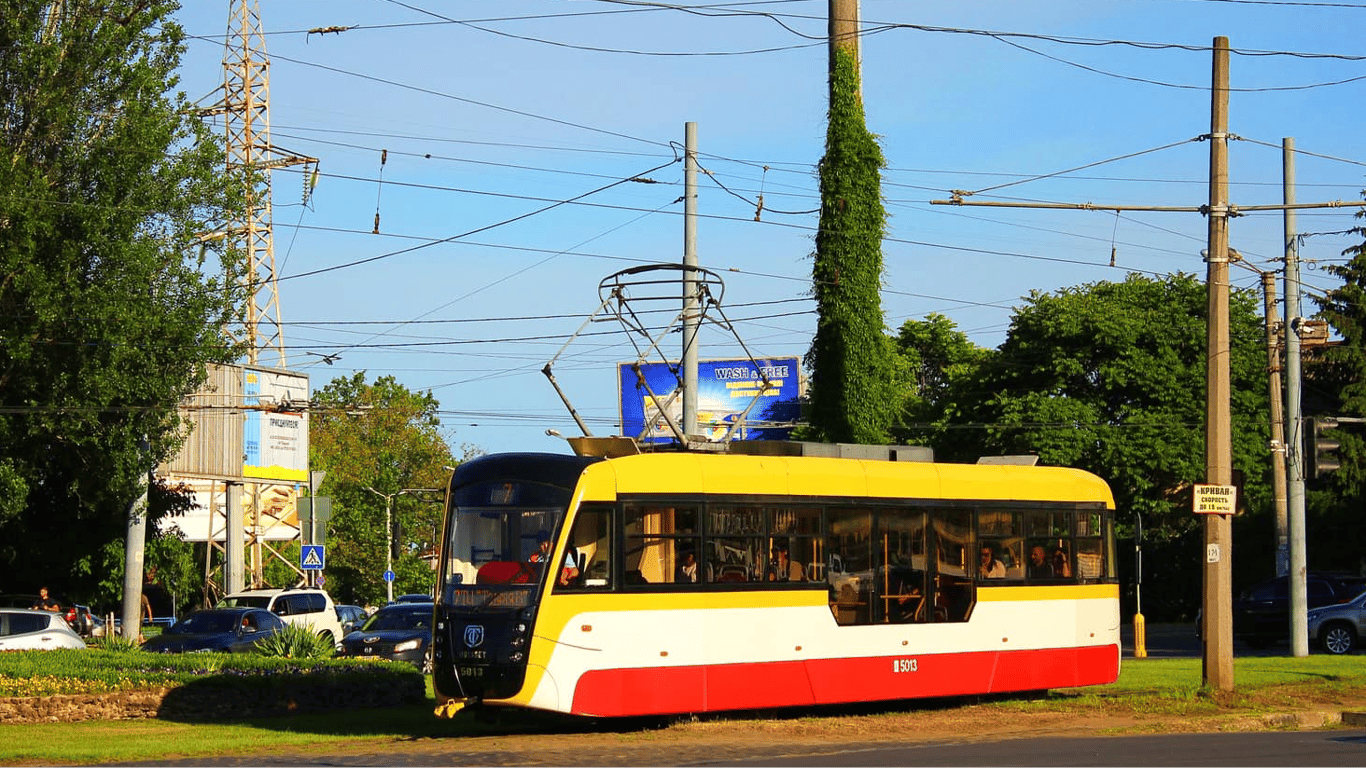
[{"x": 388, "y": 575}]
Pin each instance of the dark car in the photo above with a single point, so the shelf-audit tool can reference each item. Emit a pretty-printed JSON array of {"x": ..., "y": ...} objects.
[
  {"x": 77, "y": 616},
  {"x": 412, "y": 598},
  {"x": 351, "y": 617},
  {"x": 232, "y": 630},
  {"x": 401, "y": 632},
  {"x": 1261, "y": 614}
]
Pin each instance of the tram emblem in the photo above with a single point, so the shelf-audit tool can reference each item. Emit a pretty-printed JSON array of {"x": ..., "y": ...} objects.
[{"x": 474, "y": 636}]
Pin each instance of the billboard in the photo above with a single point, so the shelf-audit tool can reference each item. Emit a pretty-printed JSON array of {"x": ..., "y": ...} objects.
[
  {"x": 274, "y": 442},
  {"x": 725, "y": 388}
]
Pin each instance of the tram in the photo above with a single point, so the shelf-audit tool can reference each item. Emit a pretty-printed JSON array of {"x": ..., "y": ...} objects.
[{"x": 689, "y": 582}]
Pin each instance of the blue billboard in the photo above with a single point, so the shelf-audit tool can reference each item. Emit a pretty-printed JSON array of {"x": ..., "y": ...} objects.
[{"x": 725, "y": 389}]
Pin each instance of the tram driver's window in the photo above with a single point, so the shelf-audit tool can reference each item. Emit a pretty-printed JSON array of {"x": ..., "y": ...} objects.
[{"x": 590, "y": 545}]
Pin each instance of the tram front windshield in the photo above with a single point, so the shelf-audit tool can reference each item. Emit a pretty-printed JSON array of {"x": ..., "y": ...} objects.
[{"x": 498, "y": 549}]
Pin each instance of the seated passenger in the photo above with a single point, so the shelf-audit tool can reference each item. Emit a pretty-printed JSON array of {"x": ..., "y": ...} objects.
[
  {"x": 990, "y": 567},
  {"x": 687, "y": 570},
  {"x": 783, "y": 568}
]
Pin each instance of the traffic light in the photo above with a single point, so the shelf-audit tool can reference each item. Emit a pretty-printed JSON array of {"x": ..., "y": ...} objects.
[{"x": 1321, "y": 451}]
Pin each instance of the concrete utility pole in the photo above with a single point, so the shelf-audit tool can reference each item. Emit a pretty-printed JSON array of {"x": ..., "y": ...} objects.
[
  {"x": 1274, "y": 329},
  {"x": 1217, "y": 593},
  {"x": 131, "y": 614},
  {"x": 691, "y": 301},
  {"x": 1299, "y": 628}
]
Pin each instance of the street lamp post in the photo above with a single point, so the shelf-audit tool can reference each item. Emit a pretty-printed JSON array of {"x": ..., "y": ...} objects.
[{"x": 389, "y": 531}]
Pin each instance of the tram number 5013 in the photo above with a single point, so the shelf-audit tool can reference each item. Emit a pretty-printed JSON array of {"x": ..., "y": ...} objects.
[{"x": 903, "y": 665}]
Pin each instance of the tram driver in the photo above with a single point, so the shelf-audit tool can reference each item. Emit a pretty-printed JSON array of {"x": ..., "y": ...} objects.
[{"x": 542, "y": 554}]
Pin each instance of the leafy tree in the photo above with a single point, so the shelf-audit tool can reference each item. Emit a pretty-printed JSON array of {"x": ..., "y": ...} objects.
[
  {"x": 854, "y": 373},
  {"x": 1110, "y": 377},
  {"x": 1339, "y": 374},
  {"x": 378, "y": 436},
  {"x": 943, "y": 365},
  {"x": 107, "y": 318}
]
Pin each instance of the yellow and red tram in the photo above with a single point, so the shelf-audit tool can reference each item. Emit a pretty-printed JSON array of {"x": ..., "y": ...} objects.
[{"x": 680, "y": 582}]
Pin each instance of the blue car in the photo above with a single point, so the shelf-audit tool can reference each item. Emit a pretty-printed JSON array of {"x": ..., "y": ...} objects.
[{"x": 230, "y": 630}]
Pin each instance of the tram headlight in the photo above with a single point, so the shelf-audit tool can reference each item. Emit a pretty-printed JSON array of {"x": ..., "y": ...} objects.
[
  {"x": 519, "y": 627},
  {"x": 518, "y": 642},
  {"x": 517, "y": 656}
]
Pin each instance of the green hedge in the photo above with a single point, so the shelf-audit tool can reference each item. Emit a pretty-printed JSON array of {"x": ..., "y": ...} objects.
[{"x": 46, "y": 673}]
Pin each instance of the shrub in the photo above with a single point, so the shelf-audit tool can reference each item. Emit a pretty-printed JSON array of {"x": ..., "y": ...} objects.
[{"x": 295, "y": 642}]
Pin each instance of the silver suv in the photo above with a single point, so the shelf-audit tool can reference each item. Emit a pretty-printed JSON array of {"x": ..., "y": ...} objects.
[
  {"x": 312, "y": 608},
  {"x": 1337, "y": 628}
]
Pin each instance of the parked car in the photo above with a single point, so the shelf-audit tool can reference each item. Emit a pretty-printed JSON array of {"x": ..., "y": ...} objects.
[
  {"x": 400, "y": 632},
  {"x": 351, "y": 617},
  {"x": 413, "y": 598},
  {"x": 1261, "y": 614},
  {"x": 1337, "y": 628},
  {"x": 77, "y": 617},
  {"x": 312, "y": 608},
  {"x": 231, "y": 630},
  {"x": 22, "y": 629}
]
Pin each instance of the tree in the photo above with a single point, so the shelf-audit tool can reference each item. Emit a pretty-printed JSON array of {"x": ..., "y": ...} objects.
[
  {"x": 1110, "y": 377},
  {"x": 384, "y": 437},
  {"x": 943, "y": 363},
  {"x": 107, "y": 318},
  {"x": 1339, "y": 376},
  {"x": 854, "y": 374}
]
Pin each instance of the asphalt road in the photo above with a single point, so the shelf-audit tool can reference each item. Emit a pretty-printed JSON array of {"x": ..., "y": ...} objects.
[{"x": 1274, "y": 748}]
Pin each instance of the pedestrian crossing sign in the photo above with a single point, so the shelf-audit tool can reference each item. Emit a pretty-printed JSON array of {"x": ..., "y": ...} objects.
[{"x": 312, "y": 557}]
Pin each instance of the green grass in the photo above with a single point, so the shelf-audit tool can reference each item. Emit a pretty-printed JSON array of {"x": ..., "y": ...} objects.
[{"x": 1149, "y": 686}]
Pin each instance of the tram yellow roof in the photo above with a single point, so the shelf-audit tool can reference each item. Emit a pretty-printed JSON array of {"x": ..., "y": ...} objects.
[{"x": 730, "y": 474}]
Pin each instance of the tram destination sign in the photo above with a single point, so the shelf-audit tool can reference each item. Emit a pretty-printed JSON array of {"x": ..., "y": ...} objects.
[
  {"x": 1215, "y": 499},
  {"x": 725, "y": 388}
]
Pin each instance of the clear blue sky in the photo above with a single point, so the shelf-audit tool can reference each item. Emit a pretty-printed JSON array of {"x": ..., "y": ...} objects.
[{"x": 492, "y": 112}]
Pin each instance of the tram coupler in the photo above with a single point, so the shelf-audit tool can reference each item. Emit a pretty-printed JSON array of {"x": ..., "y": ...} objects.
[{"x": 450, "y": 707}]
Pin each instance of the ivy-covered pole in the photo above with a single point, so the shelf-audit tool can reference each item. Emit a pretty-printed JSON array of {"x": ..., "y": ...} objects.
[{"x": 850, "y": 361}]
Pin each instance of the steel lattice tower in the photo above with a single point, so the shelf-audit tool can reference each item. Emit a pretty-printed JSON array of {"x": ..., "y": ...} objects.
[{"x": 245, "y": 106}]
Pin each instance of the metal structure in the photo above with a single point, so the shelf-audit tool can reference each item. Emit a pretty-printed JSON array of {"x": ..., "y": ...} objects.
[
  {"x": 627, "y": 297},
  {"x": 245, "y": 107}
]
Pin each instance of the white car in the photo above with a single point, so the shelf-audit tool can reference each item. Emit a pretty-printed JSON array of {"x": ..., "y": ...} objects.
[
  {"x": 312, "y": 608},
  {"x": 22, "y": 629}
]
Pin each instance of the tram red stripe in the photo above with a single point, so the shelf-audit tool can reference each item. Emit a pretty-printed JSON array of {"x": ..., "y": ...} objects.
[{"x": 664, "y": 690}]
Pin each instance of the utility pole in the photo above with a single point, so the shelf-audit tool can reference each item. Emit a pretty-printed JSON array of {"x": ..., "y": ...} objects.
[
  {"x": 389, "y": 530},
  {"x": 1299, "y": 628},
  {"x": 1274, "y": 329},
  {"x": 1217, "y": 593},
  {"x": 691, "y": 301},
  {"x": 843, "y": 31}
]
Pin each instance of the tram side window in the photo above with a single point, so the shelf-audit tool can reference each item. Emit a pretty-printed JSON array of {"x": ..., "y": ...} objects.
[
  {"x": 1000, "y": 542},
  {"x": 658, "y": 539},
  {"x": 590, "y": 543},
  {"x": 736, "y": 551},
  {"x": 849, "y": 567},
  {"x": 1050, "y": 532},
  {"x": 956, "y": 558},
  {"x": 800, "y": 528},
  {"x": 902, "y": 581},
  {"x": 1089, "y": 546}
]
